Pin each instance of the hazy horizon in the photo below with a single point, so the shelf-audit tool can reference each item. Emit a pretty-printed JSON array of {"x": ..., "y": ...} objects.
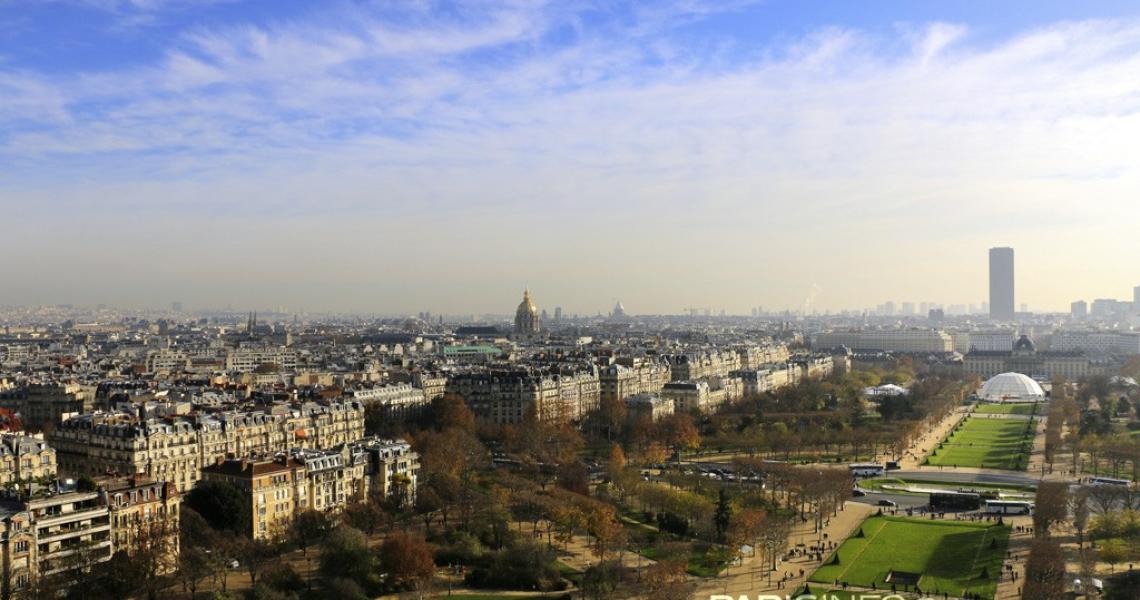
[{"x": 361, "y": 157}]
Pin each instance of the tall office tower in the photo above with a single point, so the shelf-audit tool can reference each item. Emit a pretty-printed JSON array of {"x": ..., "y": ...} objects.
[
  {"x": 1136, "y": 297},
  {"x": 1079, "y": 309},
  {"x": 1001, "y": 284}
]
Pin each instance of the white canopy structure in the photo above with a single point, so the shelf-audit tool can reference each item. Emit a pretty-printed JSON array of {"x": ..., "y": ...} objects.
[
  {"x": 1011, "y": 387},
  {"x": 889, "y": 389}
]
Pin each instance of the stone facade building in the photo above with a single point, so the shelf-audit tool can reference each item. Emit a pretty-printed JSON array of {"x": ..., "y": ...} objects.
[
  {"x": 176, "y": 448},
  {"x": 700, "y": 365},
  {"x": 1025, "y": 359},
  {"x": 43, "y": 404},
  {"x": 630, "y": 377},
  {"x": 511, "y": 395},
  {"x": 25, "y": 458}
]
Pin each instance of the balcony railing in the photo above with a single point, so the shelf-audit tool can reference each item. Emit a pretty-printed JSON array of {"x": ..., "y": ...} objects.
[
  {"x": 61, "y": 535},
  {"x": 78, "y": 515}
]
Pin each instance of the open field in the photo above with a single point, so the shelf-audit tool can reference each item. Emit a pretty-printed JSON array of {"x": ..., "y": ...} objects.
[
  {"x": 951, "y": 556},
  {"x": 1029, "y": 408},
  {"x": 987, "y": 443}
]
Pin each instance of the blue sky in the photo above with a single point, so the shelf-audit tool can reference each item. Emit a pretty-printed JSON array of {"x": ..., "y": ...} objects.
[{"x": 423, "y": 155}]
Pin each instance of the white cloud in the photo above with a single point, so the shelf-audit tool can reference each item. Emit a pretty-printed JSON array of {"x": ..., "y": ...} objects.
[{"x": 835, "y": 144}]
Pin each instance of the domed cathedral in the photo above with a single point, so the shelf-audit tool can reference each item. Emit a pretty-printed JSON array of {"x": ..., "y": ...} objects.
[{"x": 527, "y": 322}]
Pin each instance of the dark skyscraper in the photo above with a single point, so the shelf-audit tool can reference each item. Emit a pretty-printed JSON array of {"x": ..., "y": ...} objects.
[{"x": 1001, "y": 284}]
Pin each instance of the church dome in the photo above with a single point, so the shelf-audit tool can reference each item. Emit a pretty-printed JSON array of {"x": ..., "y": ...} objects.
[
  {"x": 526, "y": 317},
  {"x": 527, "y": 305},
  {"x": 1024, "y": 344},
  {"x": 1012, "y": 387}
]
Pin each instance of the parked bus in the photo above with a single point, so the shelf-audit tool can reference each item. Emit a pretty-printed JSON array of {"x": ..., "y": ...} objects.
[
  {"x": 1008, "y": 507},
  {"x": 955, "y": 501},
  {"x": 1109, "y": 481},
  {"x": 867, "y": 469}
]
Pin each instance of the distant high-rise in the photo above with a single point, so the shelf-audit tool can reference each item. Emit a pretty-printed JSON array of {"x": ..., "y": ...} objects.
[
  {"x": 1136, "y": 297},
  {"x": 1001, "y": 284},
  {"x": 557, "y": 313},
  {"x": 177, "y": 306},
  {"x": 1079, "y": 309}
]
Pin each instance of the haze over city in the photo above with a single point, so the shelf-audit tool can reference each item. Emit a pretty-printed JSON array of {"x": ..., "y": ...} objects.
[
  {"x": 569, "y": 300},
  {"x": 368, "y": 157}
]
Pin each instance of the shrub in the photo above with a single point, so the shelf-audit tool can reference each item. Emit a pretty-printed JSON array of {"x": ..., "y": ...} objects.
[
  {"x": 345, "y": 589},
  {"x": 524, "y": 566},
  {"x": 672, "y": 523},
  {"x": 464, "y": 549},
  {"x": 283, "y": 577}
]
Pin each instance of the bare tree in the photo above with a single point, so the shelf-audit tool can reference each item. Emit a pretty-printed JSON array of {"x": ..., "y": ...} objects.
[
  {"x": 1052, "y": 506},
  {"x": 1045, "y": 571},
  {"x": 1105, "y": 497},
  {"x": 774, "y": 540},
  {"x": 1079, "y": 506}
]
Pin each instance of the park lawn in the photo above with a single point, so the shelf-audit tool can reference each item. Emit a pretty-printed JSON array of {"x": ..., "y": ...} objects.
[
  {"x": 987, "y": 443},
  {"x": 950, "y": 555},
  {"x": 1025, "y": 408},
  {"x": 859, "y": 595},
  {"x": 703, "y": 560}
]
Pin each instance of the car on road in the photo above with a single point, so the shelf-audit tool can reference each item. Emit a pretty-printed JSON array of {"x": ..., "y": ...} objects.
[
  {"x": 886, "y": 502},
  {"x": 858, "y": 493}
]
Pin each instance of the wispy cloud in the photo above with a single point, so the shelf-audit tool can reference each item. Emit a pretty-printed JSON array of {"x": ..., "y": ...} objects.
[{"x": 541, "y": 111}]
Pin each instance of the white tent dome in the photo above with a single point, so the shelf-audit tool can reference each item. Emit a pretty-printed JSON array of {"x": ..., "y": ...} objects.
[{"x": 1012, "y": 387}]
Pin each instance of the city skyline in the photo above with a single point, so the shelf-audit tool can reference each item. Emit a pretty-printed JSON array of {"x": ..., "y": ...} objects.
[{"x": 444, "y": 156}]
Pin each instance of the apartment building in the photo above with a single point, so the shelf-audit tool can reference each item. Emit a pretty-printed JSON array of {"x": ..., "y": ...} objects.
[
  {"x": 391, "y": 464},
  {"x": 396, "y": 400},
  {"x": 333, "y": 478},
  {"x": 691, "y": 396},
  {"x": 1097, "y": 342},
  {"x": 25, "y": 458},
  {"x": 756, "y": 356},
  {"x": 631, "y": 376},
  {"x": 433, "y": 384},
  {"x": 647, "y": 406},
  {"x": 275, "y": 489},
  {"x": 699, "y": 365},
  {"x": 887, "y": 340},
  {"x": 510, "y": 395},
  {"x": 41, "y": 404},
  {"x": 167, "y": 361},
  {"x": 246, "y": 359},
  {"x": 175, "y": 448},
  {"x": 52, "y": 536},
  {"x": 325, "y": 480},
  {"x": 144, "y": 516}
]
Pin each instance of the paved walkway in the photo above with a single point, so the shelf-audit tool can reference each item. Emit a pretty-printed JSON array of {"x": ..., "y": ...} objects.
[
  {"x": 750, "y": 577},
  {"x": 921, "y": 448}
]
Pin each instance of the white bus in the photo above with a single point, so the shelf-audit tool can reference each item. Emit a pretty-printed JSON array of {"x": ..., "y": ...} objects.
[
  {"x": 1109, "y": 481},
  {"x": 1008, "y": 507},
  {"x": 867, "y": 469}
]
